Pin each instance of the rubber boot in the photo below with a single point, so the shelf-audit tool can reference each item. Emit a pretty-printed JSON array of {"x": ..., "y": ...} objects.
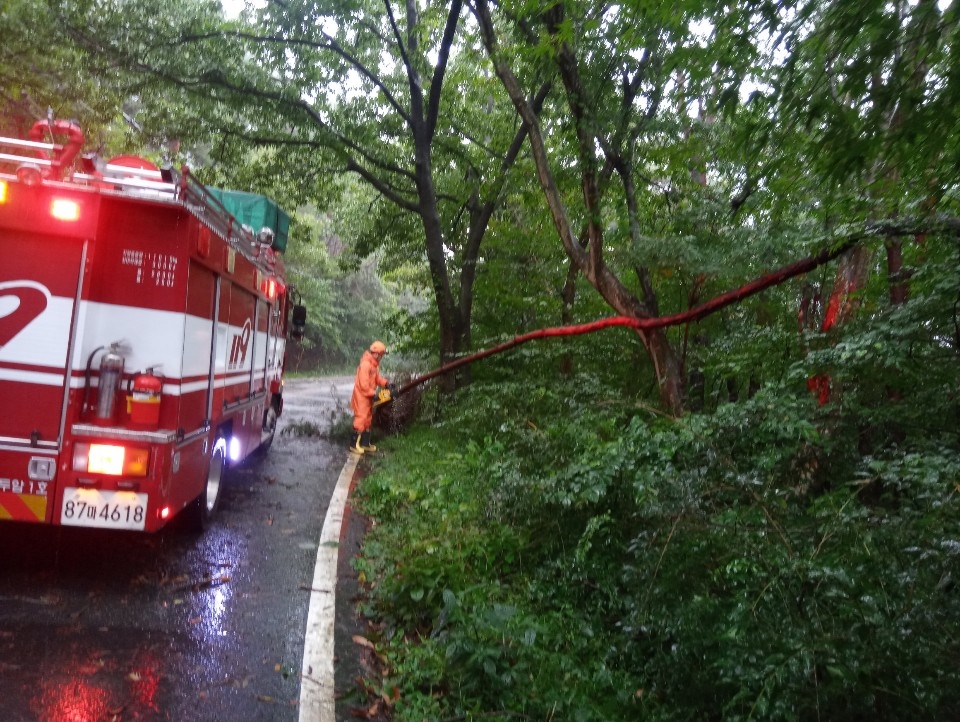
[
  {"x": 365, "y": 442},
  {"x": 356, "y": 447}
]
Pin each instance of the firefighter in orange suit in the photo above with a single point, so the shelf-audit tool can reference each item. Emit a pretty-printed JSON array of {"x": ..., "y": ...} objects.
[{"x": 364, "y": 389}]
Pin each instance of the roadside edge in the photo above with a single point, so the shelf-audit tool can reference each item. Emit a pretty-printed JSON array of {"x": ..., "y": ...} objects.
[{"x": 317, "y": 699}]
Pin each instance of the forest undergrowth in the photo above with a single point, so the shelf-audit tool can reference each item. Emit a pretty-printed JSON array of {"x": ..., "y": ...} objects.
[{"x": 559, "y": 552}]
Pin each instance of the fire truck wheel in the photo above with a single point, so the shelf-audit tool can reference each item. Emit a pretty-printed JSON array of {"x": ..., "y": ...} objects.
[
  {"x": 269, "y": 429},
  {"x": 203, "y": 507}
]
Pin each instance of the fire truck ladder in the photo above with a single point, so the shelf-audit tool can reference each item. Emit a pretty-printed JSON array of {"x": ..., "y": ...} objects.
[{"x": 33, "y": 162}]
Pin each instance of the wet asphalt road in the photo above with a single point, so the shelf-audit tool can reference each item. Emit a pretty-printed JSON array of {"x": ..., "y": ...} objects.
[{"x": 100, "y": 626}]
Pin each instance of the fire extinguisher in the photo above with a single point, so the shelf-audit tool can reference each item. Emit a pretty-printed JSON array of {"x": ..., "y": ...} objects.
[
  {"x": 143, "y": 404},
  {"x": 111, "y": 373}
]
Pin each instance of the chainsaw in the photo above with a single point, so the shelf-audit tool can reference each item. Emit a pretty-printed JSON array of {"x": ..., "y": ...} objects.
[{"x": 383, "y": 396}]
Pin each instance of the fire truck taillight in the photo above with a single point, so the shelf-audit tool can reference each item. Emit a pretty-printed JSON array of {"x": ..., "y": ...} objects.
[
  {"x": 65, "y": 210},
  {"x": 110, "y": 459}
]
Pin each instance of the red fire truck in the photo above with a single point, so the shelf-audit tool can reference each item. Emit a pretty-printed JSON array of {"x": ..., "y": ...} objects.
[{"x": 143, "y": 328}]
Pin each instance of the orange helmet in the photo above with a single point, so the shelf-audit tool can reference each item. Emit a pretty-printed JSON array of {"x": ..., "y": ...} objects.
[{"x": 378, "y": 347}]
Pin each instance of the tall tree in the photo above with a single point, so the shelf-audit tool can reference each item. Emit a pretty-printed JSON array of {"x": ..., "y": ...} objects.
[
  {"x": 613, "y": 64},
  {"x": 387, "y": 91},
  {"x": 759, "y": 174}
]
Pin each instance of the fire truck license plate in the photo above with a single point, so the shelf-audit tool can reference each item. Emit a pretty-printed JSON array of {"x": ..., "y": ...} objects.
[{"x": 105, "y": 509}]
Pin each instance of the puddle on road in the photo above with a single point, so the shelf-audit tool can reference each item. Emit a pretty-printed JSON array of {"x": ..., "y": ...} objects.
[{"x": 78, "y": 694}]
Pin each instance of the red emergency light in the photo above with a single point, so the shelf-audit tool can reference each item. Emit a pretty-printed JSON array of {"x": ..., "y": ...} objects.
[
  {"x": 64, "y": 209},
  {"x": 269, "y": 287},
  {"x": 68, "y": 213}
]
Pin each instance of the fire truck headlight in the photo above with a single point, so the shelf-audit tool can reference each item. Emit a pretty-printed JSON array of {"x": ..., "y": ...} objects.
[
  {"x": 234, "y": 448},
  {"x": 3, "y": 191}
]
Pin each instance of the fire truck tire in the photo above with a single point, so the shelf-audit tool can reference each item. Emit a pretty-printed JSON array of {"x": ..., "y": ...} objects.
[
  {"x": 204, "y": 506},
  {"x": 269, "y": 429}
]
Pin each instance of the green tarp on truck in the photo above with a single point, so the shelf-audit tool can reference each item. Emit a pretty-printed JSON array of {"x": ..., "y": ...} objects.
[{"x": 256, "y": 211}]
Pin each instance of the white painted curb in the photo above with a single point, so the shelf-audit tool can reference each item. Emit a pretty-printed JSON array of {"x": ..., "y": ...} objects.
[{"x": 317, "y": 702}]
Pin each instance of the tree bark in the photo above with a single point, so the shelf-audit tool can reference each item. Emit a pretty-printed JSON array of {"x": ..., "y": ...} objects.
[
  {"x": 587, "y": 258},
  {"x": 852, "y": 273},
  {"x": 897, "y": 277}
]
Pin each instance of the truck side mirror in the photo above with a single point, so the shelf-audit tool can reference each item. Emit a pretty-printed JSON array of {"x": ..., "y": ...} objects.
[{"x": 298, "y": 321}]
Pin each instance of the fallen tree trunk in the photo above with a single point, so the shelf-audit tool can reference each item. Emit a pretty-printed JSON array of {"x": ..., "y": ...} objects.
[{"x": 698, "y": 313}]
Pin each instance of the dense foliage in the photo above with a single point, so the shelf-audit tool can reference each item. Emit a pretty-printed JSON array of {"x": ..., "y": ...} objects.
[{"x": 554, "y": 549}]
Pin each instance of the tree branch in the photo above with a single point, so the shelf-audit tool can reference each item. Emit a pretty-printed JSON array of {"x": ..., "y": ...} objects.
[
  {"x": 433, "y": 104},
  {"x": 774, "y": 278},
  {"x": 331, "y": 44}
]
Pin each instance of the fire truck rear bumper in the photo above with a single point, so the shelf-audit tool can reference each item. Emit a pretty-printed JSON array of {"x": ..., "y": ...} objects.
[{"x": 163, "y": 436}]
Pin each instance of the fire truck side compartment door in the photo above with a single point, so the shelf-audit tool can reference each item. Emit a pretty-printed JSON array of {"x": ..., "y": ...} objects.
[
  {"x": 39, "y": 291},
  {"x": 198, "y": 349}
]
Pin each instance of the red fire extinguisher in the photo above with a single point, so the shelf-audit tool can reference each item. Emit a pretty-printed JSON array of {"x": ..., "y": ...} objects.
[{"x": 143, "y": 404}]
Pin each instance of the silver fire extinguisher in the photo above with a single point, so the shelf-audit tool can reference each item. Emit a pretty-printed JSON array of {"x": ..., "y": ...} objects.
[{"x": 111, "y": 373}]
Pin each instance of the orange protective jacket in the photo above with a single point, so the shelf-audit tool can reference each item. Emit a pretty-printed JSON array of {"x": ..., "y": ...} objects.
[{"x": 364, "y": 388}]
